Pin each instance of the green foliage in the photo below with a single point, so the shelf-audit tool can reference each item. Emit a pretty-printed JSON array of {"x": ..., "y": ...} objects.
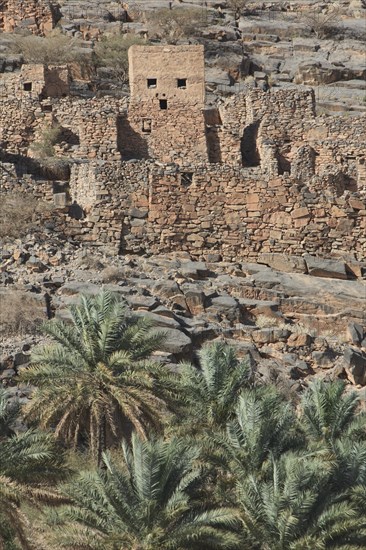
[
  {"x": 210, "y": 459},
  {"x": 211, "y": 392},
  {"x": 143, "y": 502},
  {"x": 112, "y": 52},
  {"x": 29, "y": 463},
  {"x": 94, "y": 382},
  {"x": 293, "y": 506}
]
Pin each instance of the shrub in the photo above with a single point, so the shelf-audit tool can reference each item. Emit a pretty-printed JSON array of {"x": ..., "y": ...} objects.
[
  {"x": 20, "y": 313},
  {"x": 56, "y": 48},
  {"x": 112, "y": 52},
  {"x": 19, "y": 213},
  {"x": 44, "y": 147},
  {"x": 175, "y": 24}
]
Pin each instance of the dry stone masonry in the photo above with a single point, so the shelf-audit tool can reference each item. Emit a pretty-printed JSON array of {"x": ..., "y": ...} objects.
[
  {"x": 36, "y": 16},
  {"x": 258, "y": 174}
]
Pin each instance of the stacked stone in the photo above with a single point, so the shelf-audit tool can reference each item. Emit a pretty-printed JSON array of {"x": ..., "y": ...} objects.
[{"x": 36, "y": 16}]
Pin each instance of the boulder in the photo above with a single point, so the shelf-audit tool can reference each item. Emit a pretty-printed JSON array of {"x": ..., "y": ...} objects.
[
  {"x": 269, "y": 335},
  {"x": 166, "y": 289},
  {"x": 355, "y": 361},
  {"x": 195, "y": 298},
  {"x": 227, "y": 307},
  {"x": 324, "y": 359},
  {"x": 355, "y": 333},
  {"x": 77, "y": 287},
  {"x": 299, "y": 340},
  {"x": 194, "y": 270},
  {"x": 283, "y": 262},
  {"x": 176, "y": 342},
  {"x": 158, "y": 320},
  {"x": 319, "y": 267}
]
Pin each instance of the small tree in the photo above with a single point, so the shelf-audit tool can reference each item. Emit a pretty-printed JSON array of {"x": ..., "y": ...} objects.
[
  {"x": 55, "y": 49},
  {"x": 112, "y": 52},
  {"x": 237, "y": 6},
  {"x": 94, "y": 383},
  {"x": 321, "y": 20},
  {"x": 174, "y": 24}
]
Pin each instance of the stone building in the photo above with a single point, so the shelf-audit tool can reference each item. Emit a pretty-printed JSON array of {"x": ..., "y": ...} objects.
[
  {"x": 166, "y": 111},
  {"x": 260, "y": 173}
]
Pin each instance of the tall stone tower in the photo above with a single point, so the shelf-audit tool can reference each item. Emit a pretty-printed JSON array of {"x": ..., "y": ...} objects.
[{"x": 165, "y": 117}]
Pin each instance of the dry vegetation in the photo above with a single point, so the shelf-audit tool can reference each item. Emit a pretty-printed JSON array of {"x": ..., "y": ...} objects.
[
  {"x": 56, "y": 48},
  {"x": 19, "y": 213},
  {"x": 172, "y": 25},
  {"x": 20, "y": 313}
]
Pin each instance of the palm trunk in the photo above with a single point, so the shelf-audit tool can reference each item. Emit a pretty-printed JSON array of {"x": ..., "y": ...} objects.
[{"x": 102, "y": 442}]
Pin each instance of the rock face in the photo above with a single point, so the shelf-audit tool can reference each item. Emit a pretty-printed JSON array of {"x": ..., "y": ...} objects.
[
  {"x": 356, "y": 365},
  {"x": 294, "y": 326}
]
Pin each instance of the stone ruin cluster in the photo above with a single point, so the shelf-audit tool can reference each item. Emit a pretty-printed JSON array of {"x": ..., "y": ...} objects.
[{"x": 162, "y": 171}]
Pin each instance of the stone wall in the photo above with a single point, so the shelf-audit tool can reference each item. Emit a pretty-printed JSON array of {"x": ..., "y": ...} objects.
[
  {"x": 36, "y": 16},
  {"x": 89, "y": 127},
  {"x": 35, "y": 81},
  {"x": 214, "y": 210}
]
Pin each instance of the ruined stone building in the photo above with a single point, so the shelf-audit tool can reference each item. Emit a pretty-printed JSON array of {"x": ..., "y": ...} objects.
[
  {"x": 163, "y": 171},
  {"x": 36, "y": 16}
]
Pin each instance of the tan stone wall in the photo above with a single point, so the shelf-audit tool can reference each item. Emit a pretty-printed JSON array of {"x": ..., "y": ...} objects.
[
  {"x": 234, "y": 213},
  {"x": 37, "y": 16},
  {"x": 35, "y": 81},
  {"x": 167, "y": 64}
]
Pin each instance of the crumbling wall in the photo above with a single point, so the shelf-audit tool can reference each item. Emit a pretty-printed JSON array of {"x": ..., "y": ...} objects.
[
  {"x": 36, "y": 16},
  {"x": 210, "y": 210},
  {"x": 256, "y": 119}
]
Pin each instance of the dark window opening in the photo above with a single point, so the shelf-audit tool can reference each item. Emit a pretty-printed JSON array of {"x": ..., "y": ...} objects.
[
  {"x": 27, "y": 86},
  {"x": 248, "y": 145},
  {"x": 181, "y": 83},
  {"x": 284, "y": 165},
  {"x": 186, "y": 178},
  {"x": 163, "y": 103},
  {"x": 152, "y": 82},
  {"x": 146, "y": 125},
  {"x": 46, "y": 108}
]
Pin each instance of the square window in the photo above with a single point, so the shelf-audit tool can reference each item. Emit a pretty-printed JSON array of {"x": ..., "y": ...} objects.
[
  {"x": 152, "y": 82},
  {"x": 163, "y": 103},
  {"x": 146, "y": 125},
  {"x": 27, "y": 86},
  {"x": 46, "y": 108},
  {"x": 181, "y": 83},
  {"x": 186, "y": 178}
]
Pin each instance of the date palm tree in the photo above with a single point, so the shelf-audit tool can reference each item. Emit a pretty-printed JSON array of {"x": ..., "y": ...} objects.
[
  {"x": 94, "y": 382},
  {"x": 295, "y": 506},
  {"x": 29, "y": 462},
  {"x": 143, "y": 503},
  {"x": 265, "y": 425},
  {"x": 328, "y": 413},
  {"x": 210, "y": 393}
]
